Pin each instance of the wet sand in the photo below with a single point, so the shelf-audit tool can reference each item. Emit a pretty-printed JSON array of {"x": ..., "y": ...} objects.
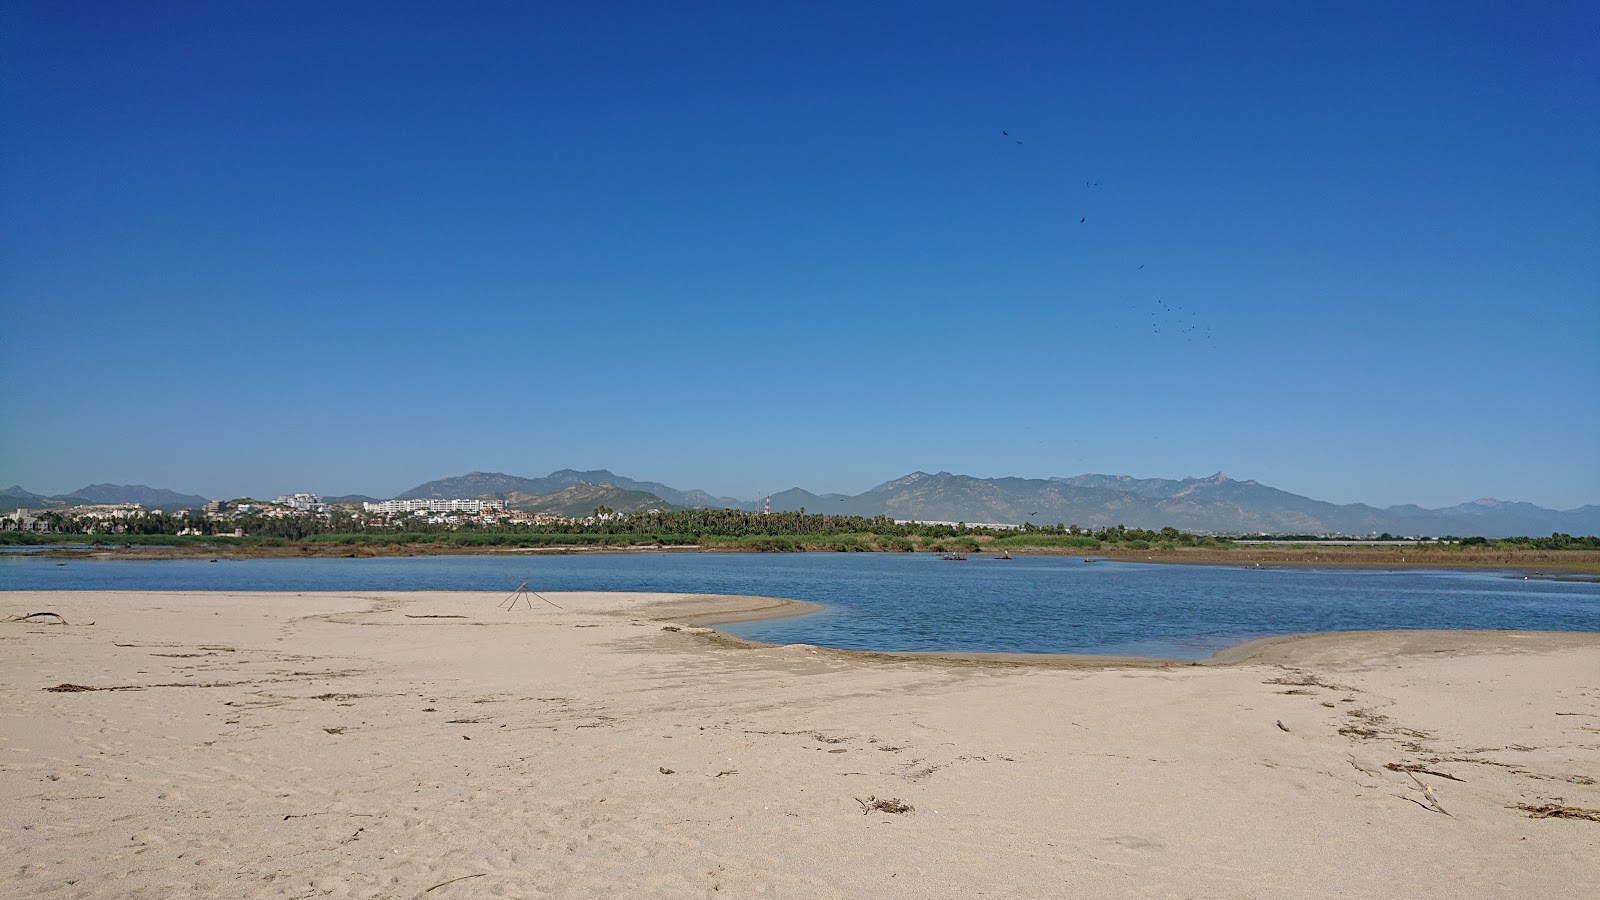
[{"x": 384, "y": 744}]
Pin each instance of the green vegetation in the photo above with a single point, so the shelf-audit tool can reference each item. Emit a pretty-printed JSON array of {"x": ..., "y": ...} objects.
[{"x": 723, "y": 529}]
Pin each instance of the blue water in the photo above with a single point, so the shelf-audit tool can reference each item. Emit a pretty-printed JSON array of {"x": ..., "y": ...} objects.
[{"x": 883, "y": 601}]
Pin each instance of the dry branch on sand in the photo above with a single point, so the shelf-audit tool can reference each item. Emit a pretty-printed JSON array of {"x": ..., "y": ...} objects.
[
  {"x": 60, "y": 619},
  {"x": 1420, "y": 767},
  {"x": 454, "y": 880},
  {"x": 890, "y": 805},
  {"x": 1557, "y": 811}
]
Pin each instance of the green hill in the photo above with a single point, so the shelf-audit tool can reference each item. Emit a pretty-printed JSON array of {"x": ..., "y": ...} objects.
[{"x": 580, "y": 500}]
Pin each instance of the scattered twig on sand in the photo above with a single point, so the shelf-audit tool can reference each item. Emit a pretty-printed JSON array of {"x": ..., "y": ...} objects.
[
  {"x": 1305, "y": 679},
  {"x": 1433, "y": 802},
  {"x": 1557, "y": 811},
  {"x": 724, "y": 772},
  {"x": 433, "y": 616},
  {"x": 354, "y": 836},
  {"x": 61, "y": 620},
  {"x": 670, "y": 628},
  {"x": 1420, "y": 767},
  {"x": 454, "y": 880},
  {"x": 68, "y": 688},
  {"x": 1282, "y": 726},
  {"x": 666, "y": 771},
  {"x": 891, "y": 805}
]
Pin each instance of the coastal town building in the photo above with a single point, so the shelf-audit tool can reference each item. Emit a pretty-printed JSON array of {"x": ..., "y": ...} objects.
[
  {"x": 403, "y": 507},
  {"x": 304, "y": 502}
]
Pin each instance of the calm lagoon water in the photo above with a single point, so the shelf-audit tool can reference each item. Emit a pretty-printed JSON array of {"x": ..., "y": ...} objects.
[{"x": 883, "y": 601}]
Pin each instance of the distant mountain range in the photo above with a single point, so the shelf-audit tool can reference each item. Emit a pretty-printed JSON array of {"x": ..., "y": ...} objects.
[
  {"x": 581, "y": 499},
  {"x": 500, "y": 487},
  {"x": 1216, "y": 504},
  {"x": 17, "y": 497}
]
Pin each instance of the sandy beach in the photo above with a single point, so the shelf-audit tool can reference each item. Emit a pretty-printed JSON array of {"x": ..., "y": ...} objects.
[{"x": 438, "y": 745}]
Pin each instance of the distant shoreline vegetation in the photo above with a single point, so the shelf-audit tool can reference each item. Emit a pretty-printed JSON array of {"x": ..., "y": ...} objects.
[{"x": 735, "y": 530}]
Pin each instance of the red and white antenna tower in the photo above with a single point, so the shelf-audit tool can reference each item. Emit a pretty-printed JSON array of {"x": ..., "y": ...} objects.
[{"x": 769, "y": 505}]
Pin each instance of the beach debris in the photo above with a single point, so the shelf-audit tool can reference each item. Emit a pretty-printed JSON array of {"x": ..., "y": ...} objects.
[
  {"x": 1433, "y": 802},
  {"x": 334, "y": 730},
  {"x": 891, "y": 805},
  {"x": 726, "y": 772},
  {"x": 454, "y": 880},
  {"x": 1281, "y": 726},
  {"x": 666, "y": 771},
  {"x": 1305, "y": 679},
  {"x": 354, "y": 836},
  {"x": 670, "y": 628},
  {"x": 68, "y": 688},
  {"x": 1420, "y": 767},
  {"x": 1557, "y": 811},
  {"x": 60, "y": 619},
  {"x": 433, "y": 616},
  {"x": 520, "y": 595}
]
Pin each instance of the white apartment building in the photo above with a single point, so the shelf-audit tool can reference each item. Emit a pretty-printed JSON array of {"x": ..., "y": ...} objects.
[
  {"x": 434, "y": 506},
  {"x": 307, "y": 502}
]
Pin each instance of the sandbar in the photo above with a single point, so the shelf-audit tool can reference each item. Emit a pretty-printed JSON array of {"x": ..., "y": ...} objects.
[{"x": 441, "y": 745}]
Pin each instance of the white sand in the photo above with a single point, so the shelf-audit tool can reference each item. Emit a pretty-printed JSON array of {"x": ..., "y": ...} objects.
[{"x": 328, "y": 745}]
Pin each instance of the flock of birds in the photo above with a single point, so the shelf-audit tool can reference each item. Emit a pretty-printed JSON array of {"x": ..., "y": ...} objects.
[{"x": 1165, "y": 318}]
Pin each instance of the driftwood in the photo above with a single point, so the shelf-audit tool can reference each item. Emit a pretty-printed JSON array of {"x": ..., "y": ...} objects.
[
  {"x": 1433, "y": 802},
  {"x": 60, "y": 619},
  {"x": 1557, "y": 811},
  {"x": 433, "y": 616},
  {"x": 1420, "y": 767},
  {"x": 454, "y": 880},
  {"x": 891, "y": 805}
]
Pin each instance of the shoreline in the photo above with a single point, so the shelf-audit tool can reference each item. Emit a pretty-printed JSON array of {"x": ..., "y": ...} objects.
[
  {"x": 1273, "y": 649},
  {"x": 1580, "y": 565},
  {"x": 697, "y": 616},
  {"x": 410, "y": 744}
]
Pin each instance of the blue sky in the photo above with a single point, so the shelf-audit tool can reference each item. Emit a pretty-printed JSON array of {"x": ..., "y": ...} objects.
[{"x": 1352, "y": 252}]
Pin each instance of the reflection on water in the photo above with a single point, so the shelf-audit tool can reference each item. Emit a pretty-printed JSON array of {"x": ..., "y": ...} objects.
[{"x": 881, "y": 601}]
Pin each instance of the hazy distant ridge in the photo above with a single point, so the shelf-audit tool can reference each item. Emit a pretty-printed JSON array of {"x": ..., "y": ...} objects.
[
  {"x": 16, "y": 497},
  {"x": 1215, "y": 503},
  {"x": 499, "y": 486}
]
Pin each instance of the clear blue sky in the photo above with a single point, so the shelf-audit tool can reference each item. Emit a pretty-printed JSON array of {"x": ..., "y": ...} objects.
[{"x": 1351, "y": 250}]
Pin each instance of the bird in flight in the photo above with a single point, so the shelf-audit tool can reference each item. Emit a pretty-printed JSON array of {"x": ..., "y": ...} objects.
[{"x": 1082, "y": 220}]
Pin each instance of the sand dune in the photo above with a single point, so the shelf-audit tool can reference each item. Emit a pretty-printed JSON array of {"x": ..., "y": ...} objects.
[{"x": 435, "y": 745}]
